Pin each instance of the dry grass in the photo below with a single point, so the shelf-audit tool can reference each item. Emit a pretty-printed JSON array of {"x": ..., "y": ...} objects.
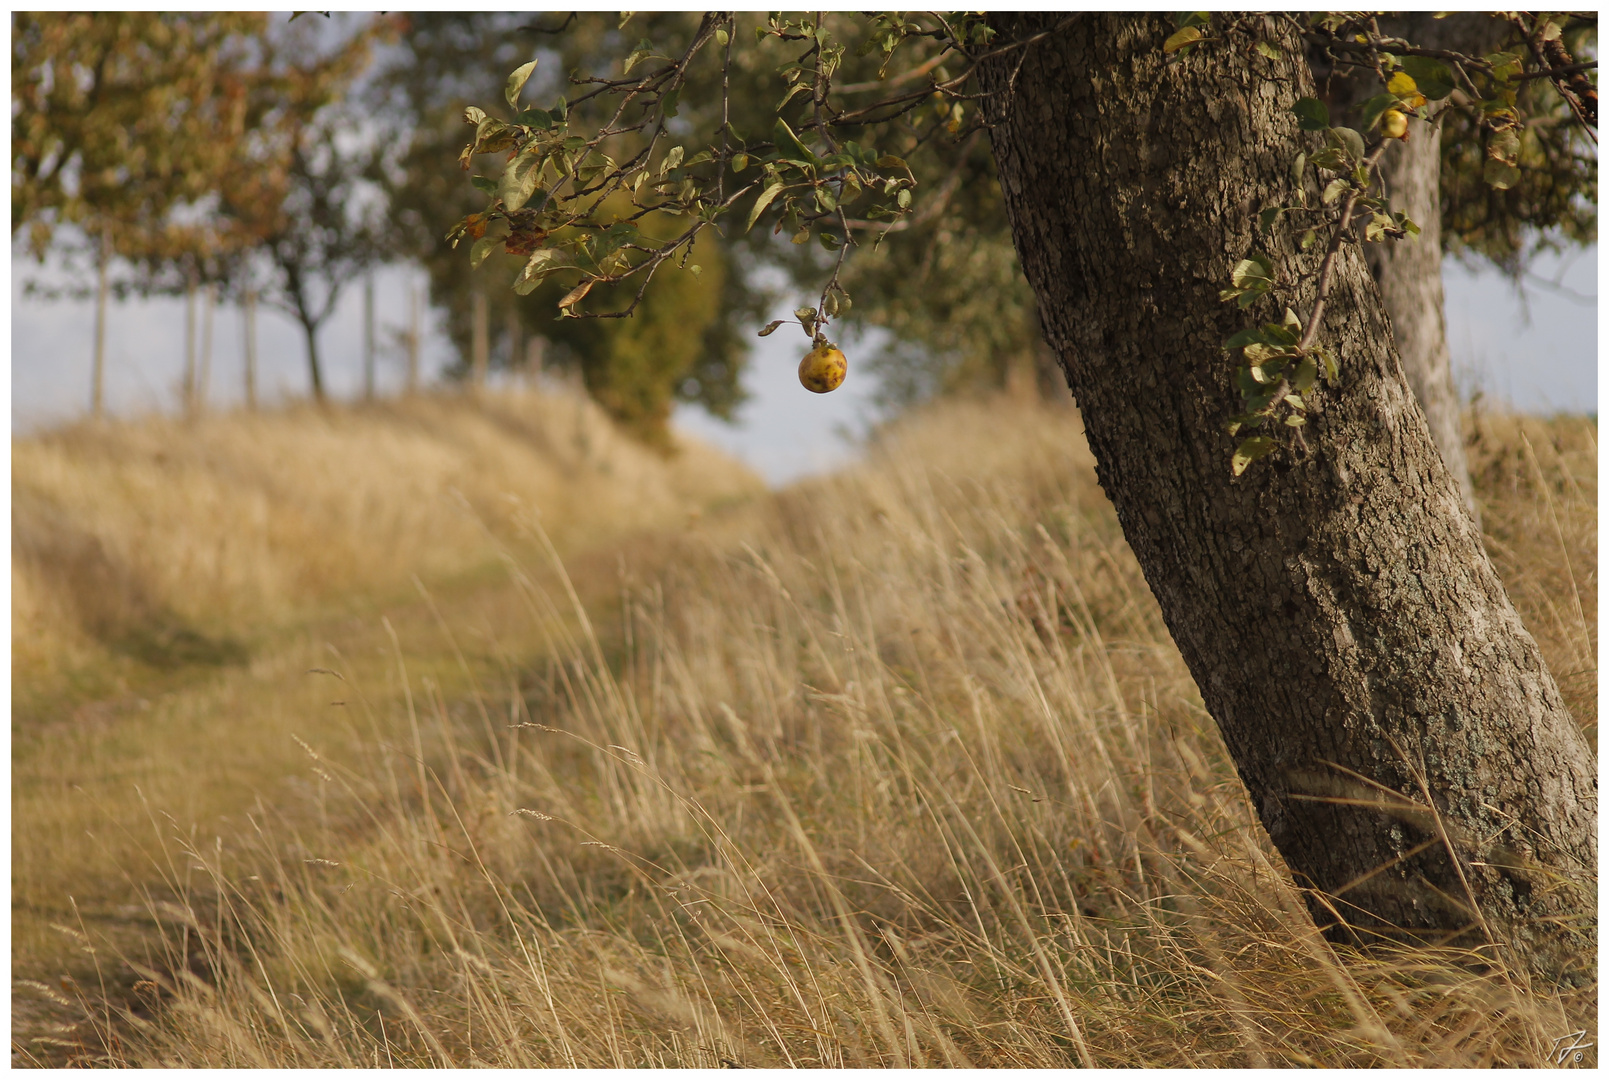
[
  {"x": 139, "y": 547},
  {"x": 903, "y": 771},
  {"x": 1538, "y": 486}
]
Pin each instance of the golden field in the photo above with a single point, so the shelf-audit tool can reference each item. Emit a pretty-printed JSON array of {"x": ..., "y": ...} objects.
[{"x": 896, "y": 767}]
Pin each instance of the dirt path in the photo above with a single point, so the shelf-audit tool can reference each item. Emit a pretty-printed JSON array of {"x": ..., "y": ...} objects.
[{"x": 105, "y": 796}]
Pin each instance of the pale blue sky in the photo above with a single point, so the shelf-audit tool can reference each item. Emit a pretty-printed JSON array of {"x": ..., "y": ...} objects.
[{"x": 1547, "y": 362}]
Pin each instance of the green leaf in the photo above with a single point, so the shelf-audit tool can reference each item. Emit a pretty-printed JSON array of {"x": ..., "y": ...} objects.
[
  {"x": 542, "y": 264},
  {"x": 1298, "y": 168},
  {"x": 1255, "y": 271},
  {"x": 825, "y": 199},
  {"x": 1279, "y": 334},
  {"x": 540, "y": 119},
  {"x": 672, "y": 159},
  {"x": 1433, "y": 78},
  {"x": 485, "y": 183},
  {"x": 1180, "y": 38},
  {"x": 762, "y": 202},
  {"x": 1267, "y": 219},
  {"x": 1332, "y": 370},
  {"x": 903, "y": 198},
  {"x": 1294, "y": 421},
  {"x": 1375, "y": 107},
  {"x": 1306, "y": 372},
  {"x": 1505, "y": 65},
  {"x": 1335, "y": 189},
  {"x": 1249, "y": 336},
  {"x": 1311, "y": 114},
  {"x": 889, "y": 161},
  {"x": 1193, "y": 18},
  {"x": 483, "y": 249},
  {"x": 519, "y": 180},
  {"x": 788, "y": 143},
  {"x": 795, "y": 89},
  {"x": 1330, "y": 157},
  {"x": 1500, "y": 174},
  {"x": 1291, "y": 323},
  {"x": 1269, "y": 50},
  {"x": 516, "y": 82},
  {"x": 667, "y": 104},
  {"x": 644, "y": 49},
  {"x": 1504, "y": 146},
  {"x": 1346, "y": 139},
  {"x": 1249, "y": 451},
  {"x": 722, "y": 37}
]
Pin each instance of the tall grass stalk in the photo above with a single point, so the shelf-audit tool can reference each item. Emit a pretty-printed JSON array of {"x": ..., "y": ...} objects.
[{"x": 908, "y": 774}]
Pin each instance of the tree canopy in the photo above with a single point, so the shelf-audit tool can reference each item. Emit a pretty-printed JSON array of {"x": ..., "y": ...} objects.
[{"x": 744, "y": 120}]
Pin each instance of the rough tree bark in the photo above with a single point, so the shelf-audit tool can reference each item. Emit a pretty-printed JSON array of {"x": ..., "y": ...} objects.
[
  {"x": 1382, "y": 702},
  {"x": 1409, "y": 271},
  {"x": 1409, "y": 276},
  {"x": 315, "y": 370}
]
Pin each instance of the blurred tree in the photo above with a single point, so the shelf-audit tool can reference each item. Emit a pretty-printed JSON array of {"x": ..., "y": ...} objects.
[
  {"x": 295, "y": 200},
  {"x": 1391, "y": 718},
  {"x": 122, "y": 124},
  {"x": 692, "y": 349},
  {"x": 1439, "y": 176},
  {"x": 192, "y": 147}
]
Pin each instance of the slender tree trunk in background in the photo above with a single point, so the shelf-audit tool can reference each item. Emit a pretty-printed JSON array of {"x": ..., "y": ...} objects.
[
  {"x": 249, "y": 313},
  {"x": 535, "y": 349},
  {"x": 478, "y": 345},
  {"x": 1409, "y": 271},
  {"x": 315, "y": 371},
  {"x": 1409, "y": 276},
  {"x": 368, "y": 338},
  {"x": 97, "y": 389},
  {"x": 209, "y": 301},
  {"x": 188, "y": 391},
  {"x": 1392, "y": 720},
  {"x": 515, "y": 344},
  {"x": 413, "y": 339}
]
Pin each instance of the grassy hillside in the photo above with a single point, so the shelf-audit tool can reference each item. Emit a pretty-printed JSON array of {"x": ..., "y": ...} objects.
[
  {"x": 898, "y": 767},
  {"x": 139, "y": 548}
]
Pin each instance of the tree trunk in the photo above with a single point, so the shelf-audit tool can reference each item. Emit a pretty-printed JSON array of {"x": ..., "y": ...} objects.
[
  {"x": 1409, "y": 275},
  {"x": 97, "y": 377},
  {"x": 1409, "y": 271},
  {"x": 1381, "y": 700},
  {"x": 516, "y": 349},
  {"x": 249, "y": 319},
  {"x": 478, "y": 344},
  {"x": 188, "y": 391},
  {"x": 413, "y": 339},
  {"x": 209, "y": 301},
  {"x": 314, "y": 371},
  {"x": 368, "y": 338}
]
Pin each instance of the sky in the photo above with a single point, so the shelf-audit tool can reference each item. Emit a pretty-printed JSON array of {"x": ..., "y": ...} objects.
[{"x": 1536, "y": 352}]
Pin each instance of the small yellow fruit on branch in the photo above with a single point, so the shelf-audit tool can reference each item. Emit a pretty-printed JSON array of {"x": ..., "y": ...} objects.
[
  {"x": 823, "y": 369},
  {"x": 1394, "y": 124}
]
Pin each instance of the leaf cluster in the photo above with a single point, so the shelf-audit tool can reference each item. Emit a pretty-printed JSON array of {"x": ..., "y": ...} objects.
[{"x": 1281, "y": 361}]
